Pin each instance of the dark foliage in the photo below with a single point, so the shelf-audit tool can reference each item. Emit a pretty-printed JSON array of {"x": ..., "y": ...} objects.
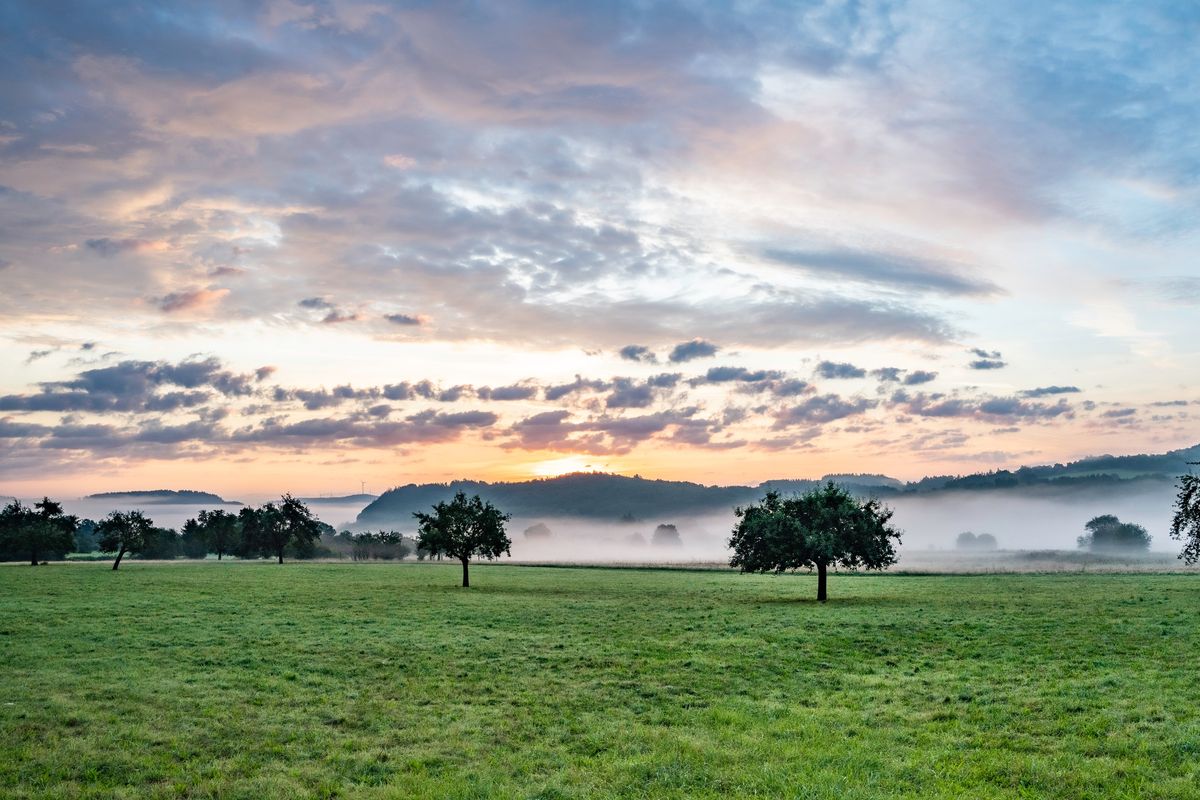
[
  {"x": 463, "y": 529},
  {"x": 275, "y": 530},
  {"x": 822, "y": 528},
  {"x": 1106, "y": 533},
  {"x": 124, "y": 532},
  {"x": 36, "y": 534},
  {"x": 1185, "y": 524},
  {"x": 666, "y": 536}
]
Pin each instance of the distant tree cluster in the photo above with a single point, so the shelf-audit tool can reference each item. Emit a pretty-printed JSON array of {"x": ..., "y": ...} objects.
[
  {"x": 374, "y": 545},
  {"x": 38, "y": 534},
  {"x": 968, "y": 541},
  {"x": 1107, "y": 533},
  {"x": 666, "y": 536}
]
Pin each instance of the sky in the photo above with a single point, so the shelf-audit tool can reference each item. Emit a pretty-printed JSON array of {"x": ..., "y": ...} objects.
[{"x": 283, "y": 246}]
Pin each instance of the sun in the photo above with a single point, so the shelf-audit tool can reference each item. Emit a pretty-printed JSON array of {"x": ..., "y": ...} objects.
[{"x": 563, "y": 466}]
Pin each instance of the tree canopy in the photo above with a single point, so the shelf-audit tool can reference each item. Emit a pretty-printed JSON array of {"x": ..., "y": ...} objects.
[
  {"x": 124, "y": 532},
  {"x": 1185, "y": 524},
  {"x": 37, "y": 533},
  {"x": 270, "y": 530},
  {"x": 1106, "y": 533},
  {"x": 464, "y": 528},
  {"x": 823, "y": 527}
]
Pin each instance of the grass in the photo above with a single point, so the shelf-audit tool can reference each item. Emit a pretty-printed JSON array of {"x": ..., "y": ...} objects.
[{"x": 372, "y": 681}]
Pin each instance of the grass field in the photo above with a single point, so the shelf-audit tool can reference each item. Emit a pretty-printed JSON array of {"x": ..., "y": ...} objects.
[{"x": 340, "y": 680}]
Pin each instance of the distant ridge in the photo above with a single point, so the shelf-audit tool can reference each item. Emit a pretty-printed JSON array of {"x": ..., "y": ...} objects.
[
  {"x": 345, "y": 499},
  {"x": 618, "y": 497},
  {"x": 164, "y": 497}
]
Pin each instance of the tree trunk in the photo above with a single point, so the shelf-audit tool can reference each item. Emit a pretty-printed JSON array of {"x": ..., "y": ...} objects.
[
  {"x": 281, "y": 555},
  {"x": 33, "y": 559},
  {"x": 218, "y": 554},
  {"x": 822, "y": 595},
  {"x": 466, "y": 577},
  {"x": 120, "y": 555}
]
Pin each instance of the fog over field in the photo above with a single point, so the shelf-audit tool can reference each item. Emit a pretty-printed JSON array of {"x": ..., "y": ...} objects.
[{"x": 1020, "y": 520}]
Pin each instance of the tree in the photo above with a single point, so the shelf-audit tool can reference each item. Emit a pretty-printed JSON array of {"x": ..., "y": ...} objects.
[
  {"x": 821, "y": 528},
  {"x": 43, "y": 531},
  {"x": 124, "y": 532},
  {"x": 538, "y": 531},
  {"x": 271, "y": 529},
  {"x": 1185, "y": 524},
  {"x": 161, "y": 543},
  {"x": 666, "y": 535},
  {"x": 192, "y": 540},
  {"x": 1106, "y": 533},
  {"x": 464, "y": 528},
  {"x": 969, "y": 541},
  {"x": 220, "y": 530},
  {"x": 85, "y": 537}
]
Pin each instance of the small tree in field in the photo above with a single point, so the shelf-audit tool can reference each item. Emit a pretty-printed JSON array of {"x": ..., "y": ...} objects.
[
  {"x": 463, "y": 528},
  {"x": 821, "y": 528},
  {"x": 124, "y": 532},
  {"x": 1186, "y": 523},
  {"x": 1107, "y": 533},
  {"x": 43, "y": 531}
]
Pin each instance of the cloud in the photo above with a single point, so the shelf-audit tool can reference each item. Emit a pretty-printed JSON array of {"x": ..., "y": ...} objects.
[
  {"x": 905, "y": 272},
  {"x": 919, "y": 376},
  {"x": 336, "y": 317},
  {"x": 514, "y": 392},
  {"x": 131, "y": 386},
  {"x": 636, "y": 352},
  {"x": 822, "y": 409},
  {"x": 402, "y": 319},
  {"x": 316, "y": 303},
  {"x": 1046, "y": 391},
  {"x": 987, "y": 359},
  {"x": 696, "y": 348},
  {"x": 839, "y": 371},
  {"x": 37, "y": 355},
  {"x": 108, "y": 248},
  {"x": 191, "y": 300}
]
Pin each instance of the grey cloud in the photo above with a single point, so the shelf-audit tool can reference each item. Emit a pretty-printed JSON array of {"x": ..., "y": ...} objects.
[
  {"x": 696, "y": 348},
  {"x": 112, "y": 247},
  {"x": 316, "y": 303},
  {"x": 514, "y": 392},
  {"x": 402, "y": 319},
  {"x": 839, "y": 370},
  {"x": 821, "y": 409},
  {"x": 637, "y": 352},
  {"x": 1046, "y": 391},
  {"x": 881, "y": 268},
  {"x": 919, "y": 376},
  {"x": 987, "y": 359}
]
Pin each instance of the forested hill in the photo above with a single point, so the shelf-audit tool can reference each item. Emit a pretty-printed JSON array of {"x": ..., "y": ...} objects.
[
  {"x": 616, "y": 497},
  {"x": 164, "y": 497}
]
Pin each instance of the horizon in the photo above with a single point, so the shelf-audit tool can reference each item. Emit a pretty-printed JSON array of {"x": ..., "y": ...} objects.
[{"x": 291, "y": 246}]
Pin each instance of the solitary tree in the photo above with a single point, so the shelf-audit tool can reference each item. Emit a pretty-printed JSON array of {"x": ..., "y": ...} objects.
[
  {"x": 1107, "y": 533},
  {"x": 821, "y": 528},
  {"x": 464, "y": 528},
  {"x": 666, "y": 536},
  {"x": 37, "y": 532},
  {"x": 1186, "y": 523},
  {"x": 124, "y": 532}
]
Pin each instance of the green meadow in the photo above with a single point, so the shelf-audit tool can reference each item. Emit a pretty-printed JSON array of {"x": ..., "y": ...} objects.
[{"x": 253, "y": 680}]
